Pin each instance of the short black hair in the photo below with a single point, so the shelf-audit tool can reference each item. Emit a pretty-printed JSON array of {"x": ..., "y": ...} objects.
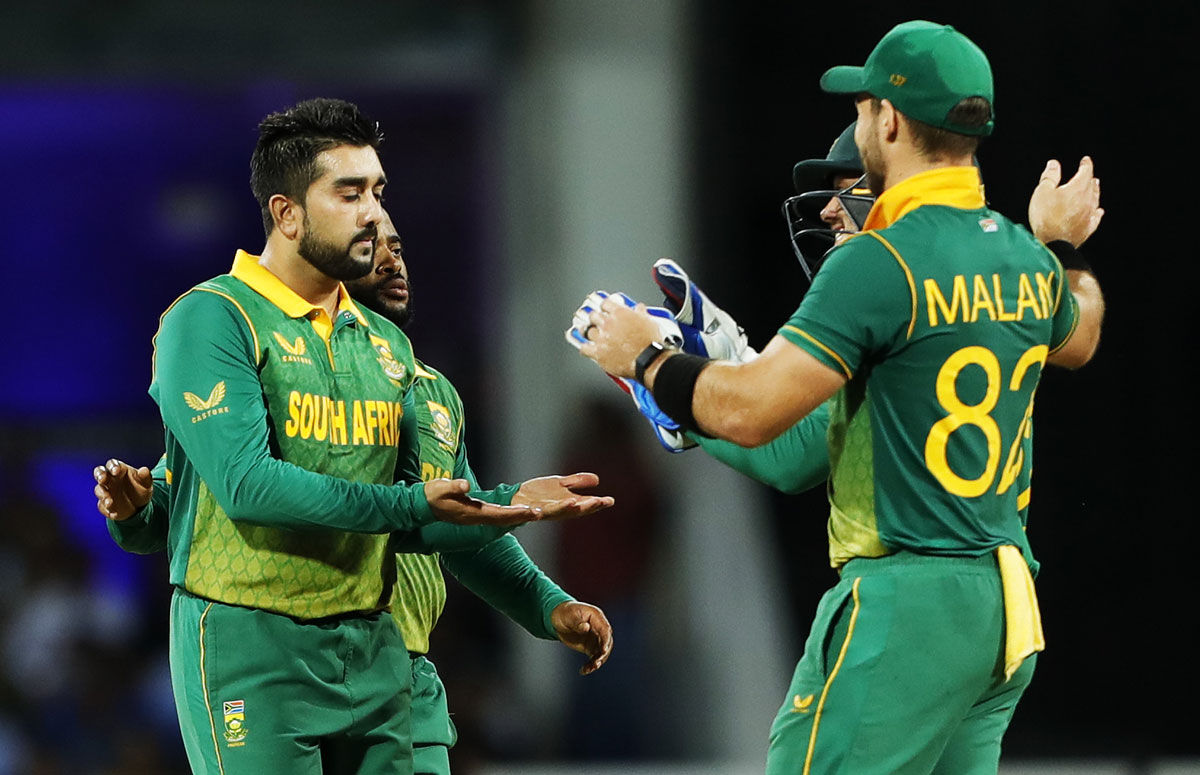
[
  {"x": 934, "y": 142},
  {"x": 285, "y": 157}
]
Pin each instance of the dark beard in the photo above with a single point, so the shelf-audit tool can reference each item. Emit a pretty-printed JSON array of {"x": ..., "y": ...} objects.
[
  {"x": 404, "y": 316},
  {"x": 875, "y": 182},
  {"x": 368, "y": 296},
  {"x": 333, "y": 261}
]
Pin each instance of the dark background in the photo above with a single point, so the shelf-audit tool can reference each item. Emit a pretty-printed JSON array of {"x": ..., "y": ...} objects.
[
  {"x": 1112, "y": 519},
  {"x": 118, "y": 142}
]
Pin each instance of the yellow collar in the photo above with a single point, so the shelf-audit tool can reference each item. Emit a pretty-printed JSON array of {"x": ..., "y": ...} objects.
[
  {"x": 247, "y": 269},
  {"x": 951, "y": 186}
]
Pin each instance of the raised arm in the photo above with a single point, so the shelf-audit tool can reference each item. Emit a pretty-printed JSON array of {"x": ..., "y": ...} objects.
[{"x": 1064, "y": 217}]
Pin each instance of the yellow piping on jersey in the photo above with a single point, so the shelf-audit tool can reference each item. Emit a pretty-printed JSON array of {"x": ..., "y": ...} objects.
[
  {"x": 154, "y": 341},
  {"x": 831, "y": 353},
  {"x": 1067, "y": 338},
  {"x": 212, "y": 723},
  {"x": 912, "y": 286},
  {"x": 253, "y": 331},
  {"x": 1024, "y": 498},
  {"x": 421, "y": 372},
  {"x": 812, "y": 738}
]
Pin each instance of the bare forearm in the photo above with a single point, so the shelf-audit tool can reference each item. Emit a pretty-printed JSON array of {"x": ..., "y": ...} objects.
[
  {"x": 1084, "y": 341},
  {"x": 1086, "y": 289},
  {"x": 752, "y": 403}
]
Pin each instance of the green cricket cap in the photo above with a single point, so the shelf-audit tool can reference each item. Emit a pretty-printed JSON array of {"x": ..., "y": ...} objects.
[
  {"x": 924, "y": 69},
  {"x": 842, "y": 159}
]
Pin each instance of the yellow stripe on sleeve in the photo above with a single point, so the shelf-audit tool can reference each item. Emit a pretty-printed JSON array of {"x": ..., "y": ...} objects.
[
  {"x": 253, "y": 333},
  {"x": 912, "y": 285},
  {"x": 829, "y": 352}
]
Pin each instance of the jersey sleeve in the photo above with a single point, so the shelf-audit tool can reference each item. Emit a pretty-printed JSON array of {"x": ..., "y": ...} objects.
[
  {"x": 408, "y": 461},
  {"x": 795, "y": 461},
  {"x": 503, "y": 576},
  {"x": 851, "y": 310},
  {"x": 145, "y": 532},
  {"x": 205, "y": 361},
  {"x": 444, "y": 537},
  {"x": 1066, "y": 310}
]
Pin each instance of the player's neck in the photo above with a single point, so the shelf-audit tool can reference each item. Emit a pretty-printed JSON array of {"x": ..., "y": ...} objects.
[
  {"x": 306, "y": 280},
  {"x": 902, "y": 167}
]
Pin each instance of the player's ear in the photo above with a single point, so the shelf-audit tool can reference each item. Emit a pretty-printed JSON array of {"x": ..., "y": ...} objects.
[
  {"x": 889, "y": 120},
  {"x": 288, "y": 216}
]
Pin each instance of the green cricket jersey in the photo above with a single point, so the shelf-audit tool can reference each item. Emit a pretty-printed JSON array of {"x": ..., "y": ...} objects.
[
  {"x": 500, "y": 572},
  {"x": 283, "y": 434},
  {"x": 941, "y": 316}
]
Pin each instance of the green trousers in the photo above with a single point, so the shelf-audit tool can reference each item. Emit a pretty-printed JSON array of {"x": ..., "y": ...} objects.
[
  {"x": 258, "y": 692},
  {"x": 433, "y": 733},
  {"x": 902, "y": 673}
]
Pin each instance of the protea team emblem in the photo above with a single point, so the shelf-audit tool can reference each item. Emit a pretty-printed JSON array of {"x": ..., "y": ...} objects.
[
  {"x": 443, "y": 428},
  {"x": 391, "y": 367},
  {"x": 235, "y": 722}
]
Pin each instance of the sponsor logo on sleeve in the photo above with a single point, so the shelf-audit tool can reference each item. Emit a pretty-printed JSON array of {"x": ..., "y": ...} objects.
[{"x": 207, "y": 407}]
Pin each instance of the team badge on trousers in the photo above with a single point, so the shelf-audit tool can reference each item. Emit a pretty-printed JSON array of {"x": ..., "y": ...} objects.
[{"x": 235, "y": 722}]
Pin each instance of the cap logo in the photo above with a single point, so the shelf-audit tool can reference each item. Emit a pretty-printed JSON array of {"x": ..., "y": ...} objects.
[{"x": 897, "y": 79}]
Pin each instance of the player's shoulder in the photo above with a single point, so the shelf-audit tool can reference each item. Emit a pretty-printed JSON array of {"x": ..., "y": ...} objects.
[
  {"x": 426, "y": 372},
  {"x": 864, "y": 254},
  {"x": 865, "y": 245},
  {"x": 433, "y": 381},
  {"x": 214, "y": 297},
  {"x": 379, "y": 327}
]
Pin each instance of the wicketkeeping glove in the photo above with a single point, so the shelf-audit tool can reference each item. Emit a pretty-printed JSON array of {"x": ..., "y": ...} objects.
[
  {"x": 668, "y": 330},
  {"x": 665, "y": 429},
  {"x": 707, "y": 329}
]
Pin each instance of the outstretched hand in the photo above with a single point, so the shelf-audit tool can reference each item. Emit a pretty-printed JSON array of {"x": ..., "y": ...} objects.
[
  {"x": 556, "y": 498},
  {"x": 585, "y": 629},
  {"x": 121, "y": 489},
  {"x": 1068, "y": 212},
  {"x": 450, "y": 503}
]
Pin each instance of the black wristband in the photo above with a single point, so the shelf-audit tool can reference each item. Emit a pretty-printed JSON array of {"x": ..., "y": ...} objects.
[
  {"x": 645, "y": 358},
  {"x": 674, "y": 385},
  {"x": 1069, "y": 255}
]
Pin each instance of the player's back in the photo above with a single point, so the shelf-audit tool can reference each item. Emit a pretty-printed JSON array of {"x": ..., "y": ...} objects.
[{"x": 952, "y": 311}]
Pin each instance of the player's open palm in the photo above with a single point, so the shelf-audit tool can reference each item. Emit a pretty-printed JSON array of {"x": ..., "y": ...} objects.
[
  {"x": 555, "y": 496},
  {"x": 121, "y": 489},
  {"x": 1070, "y": 211},
  {"x": 450, "y": 502},
  {"x": 585, "y": 629}
]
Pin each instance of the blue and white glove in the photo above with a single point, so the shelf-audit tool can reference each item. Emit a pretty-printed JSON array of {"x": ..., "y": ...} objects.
[
  {"x": 666, "y": 429},
  {"x": 668, "y": 330},
  {"x": 707, "y": 329}
]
